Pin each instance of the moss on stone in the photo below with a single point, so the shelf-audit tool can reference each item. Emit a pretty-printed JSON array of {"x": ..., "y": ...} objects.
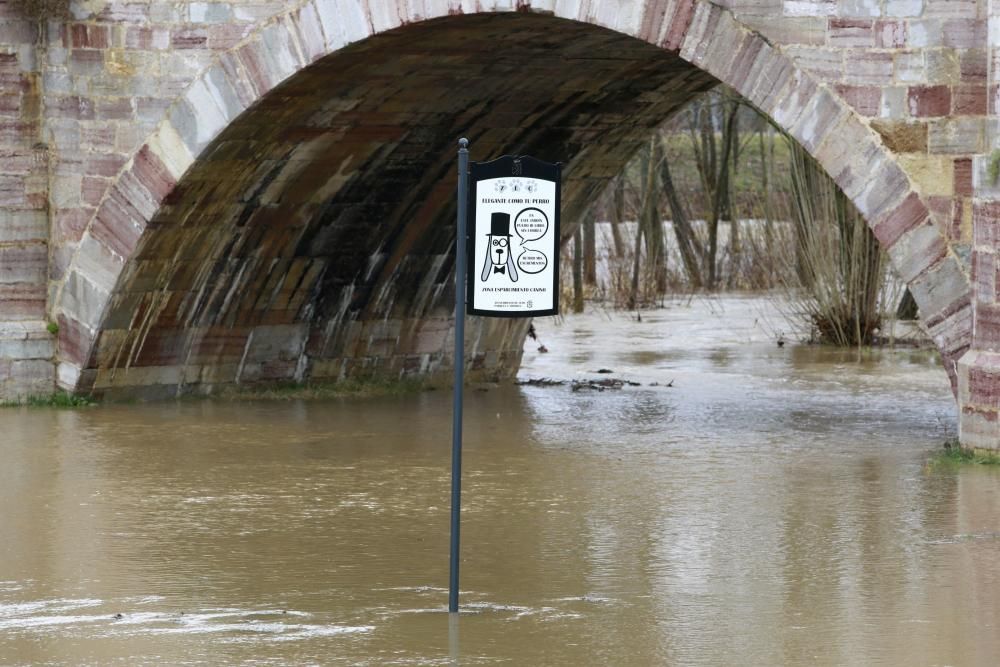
[
  {"x": 59, "y": 399},
  {"x": 954, "y": 454},
  {"x": 351, "y": 387}
]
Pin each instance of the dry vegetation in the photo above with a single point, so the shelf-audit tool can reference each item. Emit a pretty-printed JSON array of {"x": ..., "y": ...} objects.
[{"x": 720, "y": 199}]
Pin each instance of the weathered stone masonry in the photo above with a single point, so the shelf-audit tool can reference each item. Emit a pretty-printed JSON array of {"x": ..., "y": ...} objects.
[{"x": 202, "y": 193}]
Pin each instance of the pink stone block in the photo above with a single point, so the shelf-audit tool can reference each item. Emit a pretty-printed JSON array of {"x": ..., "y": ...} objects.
[
  {"x": 969, "y": 100},
  {"x": 890, "y": 34},
  {"x": 904, "y": 217},
  {"x": 925, "y": 101},
  {"x": 150, "y": 171},
  {"x": 963, "y": 177},
  {"x": 680, "y": 22},
  {"x": 75, "y": 341},
  {"x": 866, "y": 100}
]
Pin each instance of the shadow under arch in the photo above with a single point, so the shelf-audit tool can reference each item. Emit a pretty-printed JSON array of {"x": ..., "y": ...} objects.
[{"x": 293, "y": 217}]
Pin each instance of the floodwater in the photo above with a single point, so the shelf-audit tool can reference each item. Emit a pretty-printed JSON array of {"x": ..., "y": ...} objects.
[{"x": 769, "y": 506}]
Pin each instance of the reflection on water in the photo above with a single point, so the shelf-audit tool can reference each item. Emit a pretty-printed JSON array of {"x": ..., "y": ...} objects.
[{"x": 772, "y": 506}]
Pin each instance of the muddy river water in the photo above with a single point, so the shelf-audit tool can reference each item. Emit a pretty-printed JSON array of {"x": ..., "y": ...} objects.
[{"x": 748, "y": 504}]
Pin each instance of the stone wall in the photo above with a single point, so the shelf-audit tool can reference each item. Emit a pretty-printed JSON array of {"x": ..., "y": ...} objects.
[{"x": 26, "y": 348}]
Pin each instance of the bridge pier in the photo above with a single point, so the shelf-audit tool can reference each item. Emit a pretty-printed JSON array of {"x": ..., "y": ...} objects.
[
  {"x": 979, "y": 368},
  {"x": 27, "y": 348}
]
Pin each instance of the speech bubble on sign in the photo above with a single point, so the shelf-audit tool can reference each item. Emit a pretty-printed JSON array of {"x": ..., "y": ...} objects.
[
  {"x": 531, "y": 224},
  {"x": 532, "y": 261}
]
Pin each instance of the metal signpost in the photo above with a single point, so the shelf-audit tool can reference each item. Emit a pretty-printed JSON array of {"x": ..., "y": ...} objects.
[{"x": 514, "y": 272}]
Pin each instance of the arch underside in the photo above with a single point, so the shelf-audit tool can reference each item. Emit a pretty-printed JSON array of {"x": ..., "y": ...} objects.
[{"x": 314, "y": 238}]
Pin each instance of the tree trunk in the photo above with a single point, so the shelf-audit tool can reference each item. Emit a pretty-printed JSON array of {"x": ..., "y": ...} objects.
[
  {"x": 617, "y": 215},
  {"x": 656, "y": 258},
  {"x": 589, "y": 251},
  {"x": 577, "y": 271},
  {"x": 732, "y": 167},
  {"x": 687, "y": 242},
  {"x": 719, "y": 196},
  {"x": 633, "y": 300},
  {"x": 768, "y": 222}
]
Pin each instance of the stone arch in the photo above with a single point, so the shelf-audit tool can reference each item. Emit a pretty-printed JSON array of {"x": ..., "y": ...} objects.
[{"x": 103, "y": 328}]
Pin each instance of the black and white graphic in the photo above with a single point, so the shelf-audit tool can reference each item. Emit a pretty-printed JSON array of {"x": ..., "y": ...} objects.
[
  {"x": 513, "y": 238},
  {"x": 498, "y": 257}
]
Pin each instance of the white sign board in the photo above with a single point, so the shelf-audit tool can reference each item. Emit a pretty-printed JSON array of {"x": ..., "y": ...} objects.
[{"x": 513, "y": 268}]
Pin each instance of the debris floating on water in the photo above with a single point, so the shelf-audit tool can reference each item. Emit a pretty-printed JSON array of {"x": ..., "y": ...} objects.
[
  {"x": 601, "y": 385},
  {"x": 540, "y": 382}
]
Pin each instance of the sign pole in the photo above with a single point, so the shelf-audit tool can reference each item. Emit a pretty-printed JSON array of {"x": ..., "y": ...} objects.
[{"x": 459, "y": 361}]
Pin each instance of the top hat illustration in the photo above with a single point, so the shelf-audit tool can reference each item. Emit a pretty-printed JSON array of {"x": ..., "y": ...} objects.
[{"x": 500, "y": 224}]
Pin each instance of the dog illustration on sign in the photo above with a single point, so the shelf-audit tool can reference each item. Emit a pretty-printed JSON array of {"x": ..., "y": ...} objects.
[{"x": 498, "y": 257}]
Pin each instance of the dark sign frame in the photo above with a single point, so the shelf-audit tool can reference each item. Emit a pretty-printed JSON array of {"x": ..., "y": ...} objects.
[{"x": 520, "y": 166}]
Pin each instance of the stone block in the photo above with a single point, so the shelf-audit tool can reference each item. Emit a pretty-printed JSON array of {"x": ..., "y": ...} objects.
[
  {"x": 23, "y": 263},
  {"x": 67, "y": 375},
  {"x": 859, "y": 8},
  {"x": 825, "y": 64},
  {"x": 890, "y": 34},
  {"x": 210, "y": 12},
  {"x": 962, "y": 176},
  {"x": 310, "y": 32},
  {"x": 98, "y": 264},
  {"x": 967, "y": 33},
  {"x": 962, "y": 135},
  {"x": 809, "y": 7},
  {"x": 951, "y": 9},
  {"x": 931, "y": 174},
  {"x": 851, "y": 33},
  {"x": 343, "y": 21},
  {"x": 952, "y": 331},
  {"x": 923, "y": 34},
  {"x": 940, "y": 287},
  {"x": 276, "y": 342},
  {"x": 917, "y": 249},
  {"x": 22, "y": 227},
  {"x": 22, "y": 301},
  {"x": 20, "y": 379},
  {"x": 927, "y": 101},
  {"x": 884, "y": 186},
  {"x": 870, "y": 68},
  {"x": 973, "y": 66},
  {"x": 893, "y": 106},
  {"x": 979, "y": 381},
  {"x": 866, "y": 100},
  {"x": 984, "y": 276},
  {"x": 171, "y": 150},
  {"x": 822, "y": 113},
  {"x": 83, "y": 300},
  {"x": 969, "y": 100},
  {"x": 979, "y": 429}
]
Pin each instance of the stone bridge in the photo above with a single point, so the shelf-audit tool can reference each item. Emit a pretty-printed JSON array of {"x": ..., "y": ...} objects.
[{"x": 194, "y": 194}]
